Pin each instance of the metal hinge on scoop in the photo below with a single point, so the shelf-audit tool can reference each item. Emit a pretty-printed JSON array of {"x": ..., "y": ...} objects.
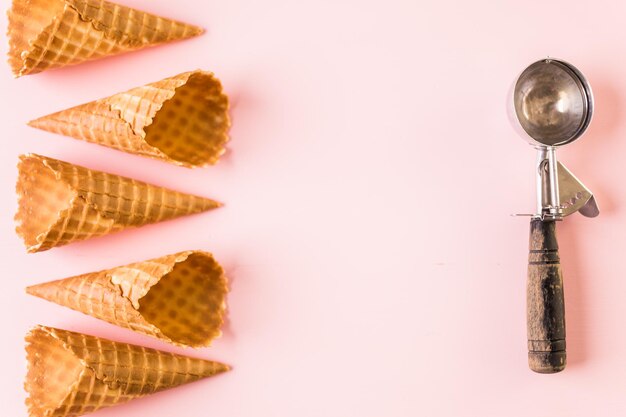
[{"x": 559, "y": 192}]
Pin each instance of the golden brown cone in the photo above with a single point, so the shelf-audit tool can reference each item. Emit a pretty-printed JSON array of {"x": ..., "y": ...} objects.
[
  {"x": 182, "y": 119},
  {"x": 71, "y": 374},
  {"x": 45, "y": 34},
  {"x": 59, "y": 203},
  {"x": 177, "y": 298}
]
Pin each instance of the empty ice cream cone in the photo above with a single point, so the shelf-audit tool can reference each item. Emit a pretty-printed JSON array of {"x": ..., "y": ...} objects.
[
  {"x": 59, "y": 203},
  {"x": 71, "y": 374},
  {"x": 183, "y": 120},
  {"x": 46, "y": 34},
  {"x": 177, "y": 298}
]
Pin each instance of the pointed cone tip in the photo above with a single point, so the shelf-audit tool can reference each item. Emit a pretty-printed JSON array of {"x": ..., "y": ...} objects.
[
  {"x": 34, "y": 290},
  {"x": 222, "y": 368},
  {"x": 42, "y": 291},
  {"x": 207, "y": 204},
  {"x": 197, "y": 30},
  {"x": 43, "y": 123}
]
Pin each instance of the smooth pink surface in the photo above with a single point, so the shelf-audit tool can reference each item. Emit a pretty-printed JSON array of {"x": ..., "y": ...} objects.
[{"x": 375, "y": 269}]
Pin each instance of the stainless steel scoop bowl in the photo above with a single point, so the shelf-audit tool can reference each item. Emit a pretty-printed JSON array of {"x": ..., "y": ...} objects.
[{"x": 553, "y": 102}]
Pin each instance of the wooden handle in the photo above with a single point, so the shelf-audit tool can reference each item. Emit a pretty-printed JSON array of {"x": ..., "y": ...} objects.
[{"x": 544, "y": 301}]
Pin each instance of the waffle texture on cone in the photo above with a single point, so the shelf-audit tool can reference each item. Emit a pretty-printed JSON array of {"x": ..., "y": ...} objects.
[
  {"x": 177, "y": 298},
  {"x": 71, "y": 374},
  {"x": 59, "y": 203},
  {"x": 45, "y": 34},
  {"x": 182, "y": 119}
]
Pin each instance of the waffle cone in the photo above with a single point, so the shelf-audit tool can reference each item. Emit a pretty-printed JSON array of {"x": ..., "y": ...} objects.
[
  {"x": 183, "y": 120},
  {"x": 71, "y": 374},
  {"x": 45, "y": 34},
  {"x": 59, "y": 203},
  {"x": 177, "y": 298}
]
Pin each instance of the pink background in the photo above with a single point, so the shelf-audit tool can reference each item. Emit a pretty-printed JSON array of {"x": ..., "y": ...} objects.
[{"x": 375, "y": 269}]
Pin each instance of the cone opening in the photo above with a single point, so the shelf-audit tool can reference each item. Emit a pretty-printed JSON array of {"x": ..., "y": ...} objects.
[
  {"x": 187, "y": 304},
  {"x": 42, "y": 198},
  {"x": 27, "y": 20},
  {"x": 192, "y": 126},
  {"x": 53, "y": 372}
]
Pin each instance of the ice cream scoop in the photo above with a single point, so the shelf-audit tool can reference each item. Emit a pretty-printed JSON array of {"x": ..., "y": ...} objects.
[{"x": 553, "y": 104}]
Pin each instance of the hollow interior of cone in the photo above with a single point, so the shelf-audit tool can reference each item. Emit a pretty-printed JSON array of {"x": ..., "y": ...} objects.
[
  {"x": 191, "y": 126},
  {"x": 187, "y": 303},
  {"x": 42, "y": 199},
  {"x": 30, "y": 18},
  {"x": 52, "y": 373}
]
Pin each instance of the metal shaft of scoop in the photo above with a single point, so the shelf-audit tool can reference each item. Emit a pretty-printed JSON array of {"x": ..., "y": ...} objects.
[{"x": 547, "y": 174}]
